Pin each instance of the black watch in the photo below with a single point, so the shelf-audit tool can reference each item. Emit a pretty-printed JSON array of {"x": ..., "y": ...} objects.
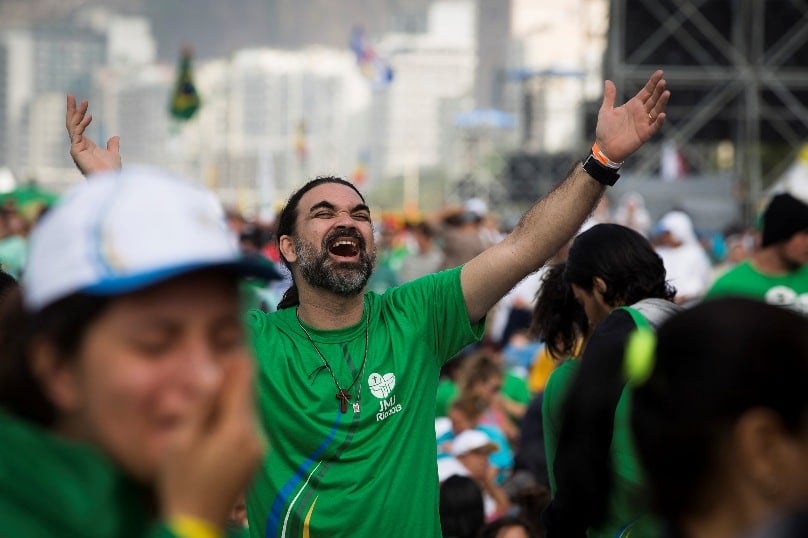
[{"x": 602, "y": 174}]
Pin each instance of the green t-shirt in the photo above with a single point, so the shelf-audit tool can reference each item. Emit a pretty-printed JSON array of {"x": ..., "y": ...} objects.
[
  {"x": 366, "y": 474},
  {"x": 50, "y": 486},
  {"x": 790, "y": 290},
  {"x": 447, "y": 392}
]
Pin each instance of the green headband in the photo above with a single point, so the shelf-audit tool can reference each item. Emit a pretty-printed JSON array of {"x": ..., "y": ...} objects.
[{"x": 638, "y": 361}]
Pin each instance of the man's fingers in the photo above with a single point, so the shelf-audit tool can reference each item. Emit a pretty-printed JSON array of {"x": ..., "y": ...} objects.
[
  {"x": 660, "y": 104},
  {"x": 648, "y": 90},
  {"x": 658, "y": 121},
  {"x": 114, "y": 144},
  {"x": 71, "y": 105},
  {"x": 84, "y": 123},
  {"x": 609, "y": 95}
]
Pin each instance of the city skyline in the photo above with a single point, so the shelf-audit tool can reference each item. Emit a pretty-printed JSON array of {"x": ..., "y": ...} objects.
[{"x": 305, "y": 111}]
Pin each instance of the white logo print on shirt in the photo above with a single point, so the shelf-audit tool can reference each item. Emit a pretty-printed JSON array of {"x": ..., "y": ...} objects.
[{"x": 381, "y": 386}]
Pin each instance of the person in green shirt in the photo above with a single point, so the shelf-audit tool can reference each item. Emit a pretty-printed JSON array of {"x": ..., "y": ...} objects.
[
  {"x": 777, "y": 273},
  {"x": 720, "y": 418},
  {"x": 347, "y": 378},
  {"x": 125, "y": 401}
]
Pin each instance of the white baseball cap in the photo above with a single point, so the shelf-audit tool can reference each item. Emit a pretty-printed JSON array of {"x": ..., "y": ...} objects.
[
  {"x": 124, "y": 230},
  {"x": 470, "y": 440}
]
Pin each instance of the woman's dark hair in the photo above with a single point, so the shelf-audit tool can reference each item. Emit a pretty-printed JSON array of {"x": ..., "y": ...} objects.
[
  {"x": 461, "y": 507},
  {"x": 714, "y": 362},
  {"x": 623, "y": 258},
  {"x": 286, "y": 226},
  {"x": 63, "y": 324},
  {"x": 632, "y": 271},
  {"x": 558, "y": 319},
  {"x": 492, "y": 529}
]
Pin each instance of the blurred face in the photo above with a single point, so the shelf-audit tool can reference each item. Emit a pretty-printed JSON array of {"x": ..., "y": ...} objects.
[
  {"x": 333, "y": 247},
  {"x": 795, "y": 251},
  {"x": 152, "y": 359},
  {"x": 460, "y": 422},
  {"x": 489, "y": 389},
  {"x": 476, "y": 461},
  {"x": 592, "y": 302},
  {"x": 514, "y": 531}
]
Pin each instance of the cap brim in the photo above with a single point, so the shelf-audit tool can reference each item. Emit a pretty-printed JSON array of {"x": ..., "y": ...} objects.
[
  {"x": 243, "y": 267},
  {"x": 488, "y": 448}
]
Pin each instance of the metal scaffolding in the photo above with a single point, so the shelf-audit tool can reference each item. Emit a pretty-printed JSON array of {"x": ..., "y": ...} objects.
[{"x": 740, "y": 63}]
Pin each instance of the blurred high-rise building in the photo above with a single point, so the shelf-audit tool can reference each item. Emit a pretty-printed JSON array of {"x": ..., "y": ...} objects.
[
  {"x": 44, "y": 61},
  {"x": 493, "y": 40},
  {"x": 279, "y": 117},
  {"x": 554, "y": 67},
  {"x": 434, "y": 75}
]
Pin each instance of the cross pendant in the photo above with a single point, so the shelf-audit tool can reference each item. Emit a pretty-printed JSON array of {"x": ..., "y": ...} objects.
[{"x": 343, "y": 396}]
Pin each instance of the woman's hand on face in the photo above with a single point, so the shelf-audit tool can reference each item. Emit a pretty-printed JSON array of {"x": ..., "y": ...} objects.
[{"x": 215, "y": 454}]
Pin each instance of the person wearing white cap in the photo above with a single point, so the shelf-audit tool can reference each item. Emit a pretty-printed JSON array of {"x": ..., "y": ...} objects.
[
  {"x": 470, "y": 451},
  {"x": 125, "y": 388},
  {"x": 347, "y": 378}
]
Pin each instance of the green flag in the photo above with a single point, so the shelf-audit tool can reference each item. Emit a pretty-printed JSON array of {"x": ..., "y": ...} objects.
[{"x": 184, "y": 100}]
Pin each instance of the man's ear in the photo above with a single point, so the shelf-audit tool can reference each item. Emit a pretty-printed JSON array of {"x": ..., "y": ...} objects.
[
  {"x": 56, "y": 376},
  {"x": 599, "y": 284},
  {"x": 287, "y": 248}
]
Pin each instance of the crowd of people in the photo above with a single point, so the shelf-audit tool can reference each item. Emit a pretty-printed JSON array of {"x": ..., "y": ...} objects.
[{"x": 170, "y": 369}]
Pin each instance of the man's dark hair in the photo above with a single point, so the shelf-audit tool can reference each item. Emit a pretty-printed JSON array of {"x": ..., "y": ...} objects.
[{"x": 623, "y": 258}]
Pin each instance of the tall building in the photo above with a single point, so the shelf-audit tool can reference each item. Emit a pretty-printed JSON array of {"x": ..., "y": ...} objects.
[
  {"x": 133, "y": 103},
  {"x": 556, "y": 65},
  {"x": 301, "y": 114},
  {"x": 42, "y": 64},
  {"x": 434, "y": 73},
  {"x": 95, "y": 55},
  {"x": 493, "y": 40},
  {"x": 16, "y": 87}
]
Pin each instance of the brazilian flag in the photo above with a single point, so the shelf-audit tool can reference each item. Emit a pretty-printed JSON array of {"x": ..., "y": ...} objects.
[{"x": 185, "y": 99}]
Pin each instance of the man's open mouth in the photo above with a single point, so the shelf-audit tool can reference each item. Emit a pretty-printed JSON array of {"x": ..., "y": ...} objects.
[{"x": 344, "y": 247}]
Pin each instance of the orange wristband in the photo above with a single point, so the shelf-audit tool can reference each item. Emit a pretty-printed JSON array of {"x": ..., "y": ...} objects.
[{"x": 603, "y": 159}]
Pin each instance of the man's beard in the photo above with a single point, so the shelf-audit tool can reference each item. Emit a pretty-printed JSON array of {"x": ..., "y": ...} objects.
[{"x": 346, "y": 279}]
